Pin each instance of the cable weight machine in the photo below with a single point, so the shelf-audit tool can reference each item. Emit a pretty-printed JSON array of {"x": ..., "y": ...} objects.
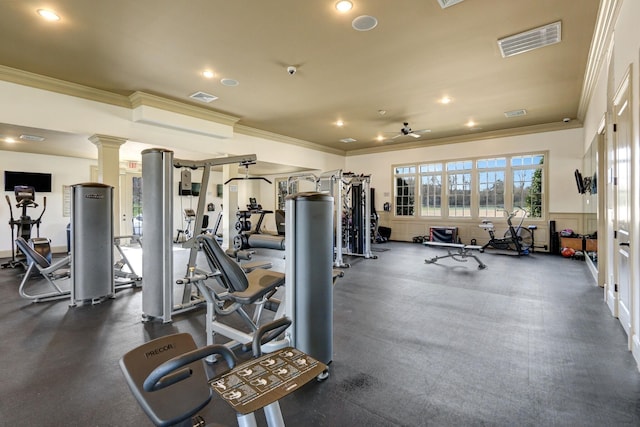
[
  {"x": 352, "y": 211},
  {"x": 356, "y": 215}
]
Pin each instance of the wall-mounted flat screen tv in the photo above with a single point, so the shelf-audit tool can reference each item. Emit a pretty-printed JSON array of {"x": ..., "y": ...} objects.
[
  {"x": 579, "y": 182},
  {"x": 40, "y": 181},
  {"x": 195, "y": 189}
]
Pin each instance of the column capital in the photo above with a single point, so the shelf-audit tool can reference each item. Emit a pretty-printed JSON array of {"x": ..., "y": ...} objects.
[{"x": 107, "y": 140}]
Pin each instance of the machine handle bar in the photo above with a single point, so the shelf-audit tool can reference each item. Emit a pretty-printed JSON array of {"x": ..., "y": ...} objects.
[{"x": 170, "y": 372}]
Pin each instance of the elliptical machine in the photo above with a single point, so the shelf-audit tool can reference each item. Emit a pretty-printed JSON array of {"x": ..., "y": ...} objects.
[{"x": 21, "y": 227}]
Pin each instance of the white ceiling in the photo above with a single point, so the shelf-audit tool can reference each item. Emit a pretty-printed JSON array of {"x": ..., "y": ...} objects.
[{"x": 418, "y": 53}]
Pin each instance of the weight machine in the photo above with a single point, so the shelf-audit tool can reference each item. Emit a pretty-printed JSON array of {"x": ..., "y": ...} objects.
[
  {"x": 256, "y": 238},
  {"x": 157, "y": 259},
  {"x": 356, "y": 215},
  {"x": 25, "y": 198},
  {"x": 352, "y": 211}
]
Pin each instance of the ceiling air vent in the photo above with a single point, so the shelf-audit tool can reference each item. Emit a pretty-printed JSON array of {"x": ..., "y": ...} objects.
[
  {"x": 515, "y": 113},
  {"x": 447, "y": 3},
  {"x": 27, "y": 137},
  {"x": 203, "y": 97},
  {"x": 533, "y": 39}
]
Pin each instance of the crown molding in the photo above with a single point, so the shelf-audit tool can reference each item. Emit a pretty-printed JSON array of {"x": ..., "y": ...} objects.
[
  {"x": 600, "y": 43},
  {"x": 504, "y": 133},
  {"x": 25, "y": 78},
  {"x": 258, "y": 133},
  {"x": 138, "y": 99}
]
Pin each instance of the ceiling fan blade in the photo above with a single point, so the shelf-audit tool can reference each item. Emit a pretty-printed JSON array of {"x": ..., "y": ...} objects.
[
  {"x": 415, "y": 135},
  {"x": 397, "y": 136},
  {"x": 421, "y": 131}
]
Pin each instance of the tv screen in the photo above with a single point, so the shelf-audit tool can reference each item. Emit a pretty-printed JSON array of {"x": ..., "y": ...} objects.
[
  {"x": 579, "y": 181},
  {"x": 40, "y": 181},
  {"x": 195, "y": 189}
]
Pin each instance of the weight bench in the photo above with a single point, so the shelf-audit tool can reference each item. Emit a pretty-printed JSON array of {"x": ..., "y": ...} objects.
[
  {"x": 167, "y": 378},
  {"x": 457, "y": 251},
  {"x": 52, "y": 272}
]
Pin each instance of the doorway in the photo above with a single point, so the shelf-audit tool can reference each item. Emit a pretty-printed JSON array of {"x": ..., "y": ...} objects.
[
  {"x": 622, "y": 292},
  {"x": 131, "y": 204}
]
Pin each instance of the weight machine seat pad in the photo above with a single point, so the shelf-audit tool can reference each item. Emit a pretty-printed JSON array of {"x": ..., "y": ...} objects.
[
  {"x": 267, "y": 241},
  {"x": 32, "y": 254},
  {"x": 177, "y": 402},
  {"x": 234, "y": 277},
  {"x": 261, "y": 282},
  {"x": 248, "y": 267}
]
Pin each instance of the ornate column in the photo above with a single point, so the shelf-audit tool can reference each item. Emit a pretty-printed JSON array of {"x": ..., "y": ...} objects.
[{"x": 109, "y": 169}]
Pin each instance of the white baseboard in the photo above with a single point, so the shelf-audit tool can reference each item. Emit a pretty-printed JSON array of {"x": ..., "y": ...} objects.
[
  {"x": 635, "y": 349},
  {"x": 592, "y": 269}
]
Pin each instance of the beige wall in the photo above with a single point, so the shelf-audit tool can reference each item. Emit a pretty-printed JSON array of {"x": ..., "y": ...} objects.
[{"x": 565, "y": 154}]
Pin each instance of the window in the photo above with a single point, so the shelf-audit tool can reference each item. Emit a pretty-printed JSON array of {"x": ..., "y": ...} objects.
[
  {"x": 527, "y": 183},
  {"x": 491, "y": 174},
  {"x": 405, "y": 188},
  {"x": 459, "y": 188},
  {"x": 431, "y": 189},
  {"x": 282, "y": 191},
  {"x": 471, "y": 188}
]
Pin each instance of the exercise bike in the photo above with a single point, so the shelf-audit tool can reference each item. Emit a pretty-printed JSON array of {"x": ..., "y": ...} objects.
[{"x": 516, "y": 238}]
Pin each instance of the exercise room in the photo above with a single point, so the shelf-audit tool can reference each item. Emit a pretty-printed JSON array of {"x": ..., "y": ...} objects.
[{"x": 330, "y": 213}]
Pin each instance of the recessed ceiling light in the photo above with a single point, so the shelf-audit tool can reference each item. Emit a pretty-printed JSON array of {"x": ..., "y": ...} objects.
[
  {"x": 208, "y": 74},
  {"x": 347, "y": 140},
  {"x": 229, "y": 82},
  {"x": 339, "y": 123},
  {"x": 364, "y": 23},
  {"x": 10, "y": 140},
  {"x": 471, "y": 123},
  {"x": 379, "y": 138},
  {"x": 344, "y": 6},
  {"x": 445, "y": 100},
  {"x": 48, "y": 15}
]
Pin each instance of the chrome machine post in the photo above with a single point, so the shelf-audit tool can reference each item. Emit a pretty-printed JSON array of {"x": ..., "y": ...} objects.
[{"x": 157, "y": 224}]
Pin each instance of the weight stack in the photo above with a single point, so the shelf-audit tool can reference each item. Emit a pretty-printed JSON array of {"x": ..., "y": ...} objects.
[{"x": 92, "y": 274}]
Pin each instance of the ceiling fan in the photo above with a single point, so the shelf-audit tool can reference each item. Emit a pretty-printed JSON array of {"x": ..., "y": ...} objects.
[{"x": 407, "y": 131}]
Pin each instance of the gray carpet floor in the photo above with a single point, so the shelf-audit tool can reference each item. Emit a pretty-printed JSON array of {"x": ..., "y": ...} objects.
[{"x": 526, "y": 342}]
